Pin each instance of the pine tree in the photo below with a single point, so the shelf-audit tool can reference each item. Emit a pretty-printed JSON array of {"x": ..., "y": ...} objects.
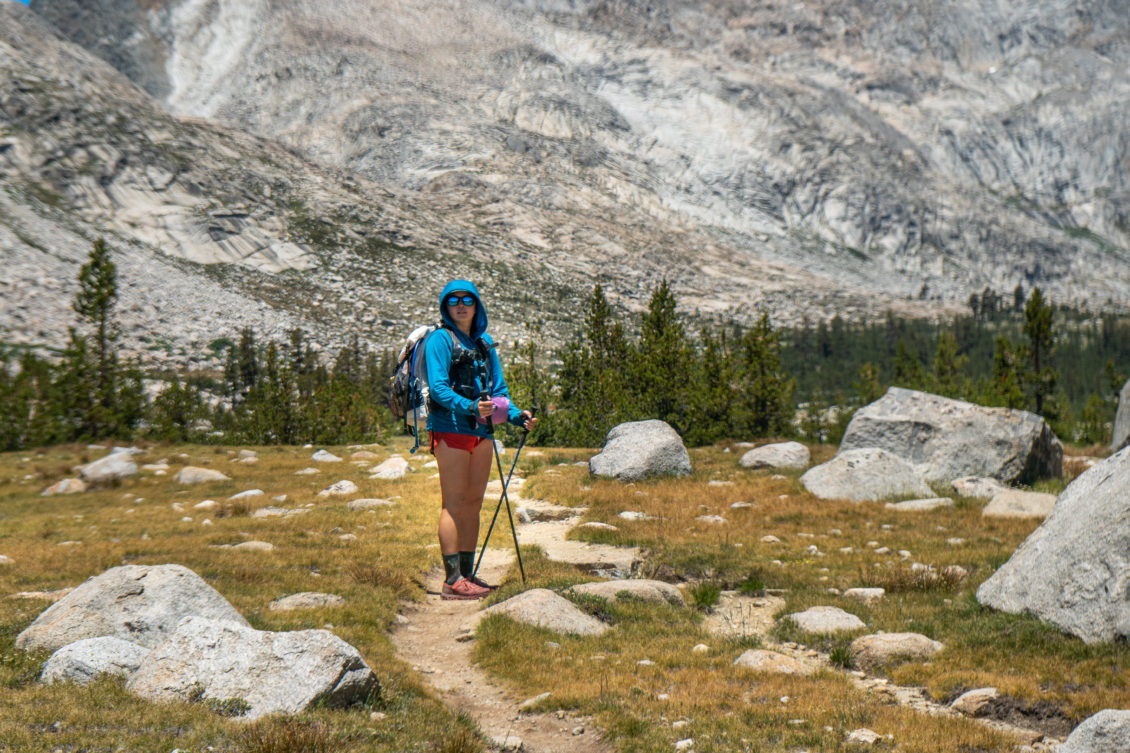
[
  {"x": 660, "y": 364},
  {"x": 909, "y": 370},
  {"x": 765, "y": 393},
  {"x": 948, "y": 377},
  {"x": 1040, "y": 377}
]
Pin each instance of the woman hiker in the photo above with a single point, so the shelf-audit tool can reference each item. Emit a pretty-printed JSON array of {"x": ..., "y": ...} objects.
[{"x": 463, "y": 368}]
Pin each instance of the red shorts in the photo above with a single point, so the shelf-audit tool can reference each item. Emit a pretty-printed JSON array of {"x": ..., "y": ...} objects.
[{"x": 465, "y": 442}]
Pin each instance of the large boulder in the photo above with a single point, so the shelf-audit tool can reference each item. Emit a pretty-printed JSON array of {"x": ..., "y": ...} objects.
[
  {"x": 865, "y": 475},
  {"x": 1072, "y": 571},
  {"x": 113, "y": 467},
  {"x": 1014, "y": 503},
  {"x": 84, "y": 661},
  {"x": 945, "y": 439},
  {"x": 1105, "y": 732},
  {"x": 269, "y": 672},
  {"x": 639, "y": 449},
  {"x": 779, "y": 455},
  {"x": 1121, "y": 435},
  {"x": 139, "y": 603}
]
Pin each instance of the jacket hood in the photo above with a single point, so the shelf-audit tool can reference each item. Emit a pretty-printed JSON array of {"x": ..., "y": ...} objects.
[{"x": 479, "y": 325}]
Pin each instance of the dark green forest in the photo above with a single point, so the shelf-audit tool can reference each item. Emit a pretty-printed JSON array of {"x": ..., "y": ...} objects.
[{"x": 714, "y": 383}]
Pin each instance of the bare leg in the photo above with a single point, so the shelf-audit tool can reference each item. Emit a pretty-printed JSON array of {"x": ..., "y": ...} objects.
[{"x": 462, "y": 481}]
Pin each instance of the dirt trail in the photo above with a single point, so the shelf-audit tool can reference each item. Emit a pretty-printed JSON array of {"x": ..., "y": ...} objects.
[{"x": 437, "y": 641}]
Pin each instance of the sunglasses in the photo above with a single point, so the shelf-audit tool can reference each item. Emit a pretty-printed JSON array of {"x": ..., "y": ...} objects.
[{"x": 455, "y": 300}]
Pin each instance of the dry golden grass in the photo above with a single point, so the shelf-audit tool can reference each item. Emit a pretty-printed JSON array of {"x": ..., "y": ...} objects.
[
  {"x": 383, "y": 555},
  {"x": 57, "y": 542}
]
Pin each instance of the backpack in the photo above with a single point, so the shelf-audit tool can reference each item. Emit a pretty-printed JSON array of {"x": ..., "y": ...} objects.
[{"x": 408, "y": 397}]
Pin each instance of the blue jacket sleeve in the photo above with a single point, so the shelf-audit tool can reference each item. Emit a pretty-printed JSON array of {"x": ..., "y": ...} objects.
[
  {"x": 498, "y": 388},
  {"x": 437, "y": 351}
]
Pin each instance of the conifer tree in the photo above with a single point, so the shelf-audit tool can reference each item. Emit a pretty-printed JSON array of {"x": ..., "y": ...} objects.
[
  {"x": 909, "y": 370},
  {"x": 1041, "y": 378},
  {"x": 765, "y": 393},
  {"x": 661, "y": 373},
  {"x": 949, "y": 368}
]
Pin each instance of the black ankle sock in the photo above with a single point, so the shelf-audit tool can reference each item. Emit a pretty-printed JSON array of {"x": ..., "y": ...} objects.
[
  {"x": 466, "y": 563},
  {"x": 451, "y": 568}
]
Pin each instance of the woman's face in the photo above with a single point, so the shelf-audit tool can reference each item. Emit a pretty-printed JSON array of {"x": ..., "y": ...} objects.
[{"x": 461, "y": 308}]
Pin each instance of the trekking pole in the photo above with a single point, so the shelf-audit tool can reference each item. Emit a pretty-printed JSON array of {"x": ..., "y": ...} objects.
[
  {"x": 505, "y": 486},
  {"x": 484, "y": 395}
]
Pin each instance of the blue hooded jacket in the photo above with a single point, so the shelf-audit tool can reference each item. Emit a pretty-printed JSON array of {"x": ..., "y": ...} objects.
[{"x": 456, "y": 413}]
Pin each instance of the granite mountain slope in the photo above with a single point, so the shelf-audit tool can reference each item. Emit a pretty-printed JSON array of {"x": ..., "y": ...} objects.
[{"x": 811, "y": 158}]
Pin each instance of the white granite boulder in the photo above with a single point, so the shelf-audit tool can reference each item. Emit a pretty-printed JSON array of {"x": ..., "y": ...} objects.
[
  {"x": 824, "y": 620},
  {"x": 1105, "y": 732},
  {"x": 139, "y": 603},
  {"x": 543, "y": 608},
  {"x": 113, "y": 467},
  {"x": 646, "y": 590},
  {"x": 641, "y": 449},
  {"x": 84, "y": 661},
  {"x": 971, "y": 702},
  {"x": 1013, "y": 503},
  {"x": 324, "y": 456},
  {"x": 1120, "y": 436},
  {"x": 864, "y": 475},
  {"x": 190, "y": 474},
  {"x": 945, "y": 438},
  {"x": 877, "y": 650},
  {"x": 780, "y": 455},
  {"x": 1073, "y": 570},
  {"x": 272, "y": 673}
]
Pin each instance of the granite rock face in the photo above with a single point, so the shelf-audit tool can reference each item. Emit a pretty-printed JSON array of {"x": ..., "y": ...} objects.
[
  {"x": 541, "y": 607},
  {"x": 271, "y": 672},
  {"x": 142, "y": 604},
  {"x": 641, "y": 449},
  {"x": 785, "y": 155},
  {"x": 1073, "y": 570},
  {"x": 946, "y": 439}
]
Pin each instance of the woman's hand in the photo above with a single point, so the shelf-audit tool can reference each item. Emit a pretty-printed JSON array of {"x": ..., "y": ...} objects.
[
  {"x": 486, "y": 407},
  {"x": 528, "y": 420}
]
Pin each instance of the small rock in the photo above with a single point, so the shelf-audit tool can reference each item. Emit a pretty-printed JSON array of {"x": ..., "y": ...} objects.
[
  {"x": 824, "y": 619},
  {"x": 686, "y": 744},
  {"x": 345, "y": 486},
  {"x": 700, "y": 648},
  {"x": 920, "y": 505},
  {"x": 761, "y": 660},
  {"x": 322, "y": 456},
  {"x": 599, "y": 526},
  {"x": 866, "y": 595},
  {"x": 366, "y": 504},
  {"x": 635, "y": 515},
  {"x": 193, "y": 475},
  {"x": 306, "y": 472},
  {"x": 1014, "y": 503},
  {"x": 208, "y": 504},
  {"x": 247, "y": 494},
  {"x": 973, "y": 701},
  {"x": 863, "y": 736},
  {"x": 306, "y": 600},
  {"x": 770, "y": 539},
  {"x": 393, "y": 468},
  {"x": 529, "y": 703},
  {"x": 66, "y": 486},
  {"x": 255, "y": 546}
]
